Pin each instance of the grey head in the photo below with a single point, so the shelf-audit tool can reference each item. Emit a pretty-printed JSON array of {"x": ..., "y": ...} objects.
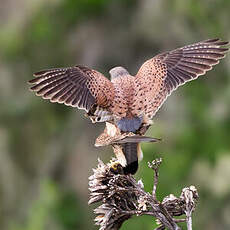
[{"x": 118, "y": 72}]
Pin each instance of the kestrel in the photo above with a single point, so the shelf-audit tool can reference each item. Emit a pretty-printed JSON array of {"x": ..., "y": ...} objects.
[
  {"x": 129, "y": 102},
  {"x": 113, "y": 135},
  {"x": 126, "y": 146}
]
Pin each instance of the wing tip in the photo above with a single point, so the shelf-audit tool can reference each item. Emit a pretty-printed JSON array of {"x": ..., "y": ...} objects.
[
  {"x": 33, "y": 88},
  {"x": 211, "y": 40},
  {"x": 32, "y": 81},
  {"x": 37, "y": 74},
  {"x": 216, "y": 41}
]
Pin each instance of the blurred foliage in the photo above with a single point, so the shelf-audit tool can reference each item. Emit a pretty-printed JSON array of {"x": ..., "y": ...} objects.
[
  {"x": 46, "y": 150},
  {"x": 54, "y": 208}
]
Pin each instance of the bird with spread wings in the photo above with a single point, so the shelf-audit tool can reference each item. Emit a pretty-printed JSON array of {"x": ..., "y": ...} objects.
[{"x": 129, "y": 102}]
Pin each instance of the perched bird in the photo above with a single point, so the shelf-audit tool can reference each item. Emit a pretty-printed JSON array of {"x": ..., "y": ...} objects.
[
  {"x": 126, "y": 146},
  {"x": 130, "y": 102},
  {"x": 113, "y": 135}
]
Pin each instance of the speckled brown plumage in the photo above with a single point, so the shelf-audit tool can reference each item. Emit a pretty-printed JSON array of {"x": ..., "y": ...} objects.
[
  {"x": 128, "y": 101},
  {"x": 126, "y": 146},
  {"x": 112, "y": 135},
  {"x": 75, "y": 86},
  {"x": 124, "y": 95},
  {"x": 175, "y": 68}
]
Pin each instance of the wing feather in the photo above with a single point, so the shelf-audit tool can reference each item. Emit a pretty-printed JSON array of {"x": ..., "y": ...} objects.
[
  {"x": 165, "y": 72},
  {"x": 76, "y": 86}
]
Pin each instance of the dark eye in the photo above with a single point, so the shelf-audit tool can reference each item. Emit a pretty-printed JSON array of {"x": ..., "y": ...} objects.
[{"x": 98, "y": 118}]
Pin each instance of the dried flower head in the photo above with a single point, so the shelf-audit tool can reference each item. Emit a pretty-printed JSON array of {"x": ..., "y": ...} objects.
[
  {"x": 121, "y": 197},
  {"x": 116, "y": 191}
]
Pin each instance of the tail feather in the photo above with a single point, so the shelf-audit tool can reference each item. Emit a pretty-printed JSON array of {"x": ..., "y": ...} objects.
[
  {"x": 136, "y": 139},
  {"x": 131, "y": 156},
  {"x": 131, "y": 150}
]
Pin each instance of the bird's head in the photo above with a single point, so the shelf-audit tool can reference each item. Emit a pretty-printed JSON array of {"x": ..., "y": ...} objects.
[{"x": 118, "y": 72}]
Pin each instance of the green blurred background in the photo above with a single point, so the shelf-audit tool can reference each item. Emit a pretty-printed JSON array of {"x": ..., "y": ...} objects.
[{"x": 47, "y": 150}]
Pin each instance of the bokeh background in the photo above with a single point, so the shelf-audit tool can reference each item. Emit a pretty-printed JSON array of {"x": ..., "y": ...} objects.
[{"x": 47, "y": 150}]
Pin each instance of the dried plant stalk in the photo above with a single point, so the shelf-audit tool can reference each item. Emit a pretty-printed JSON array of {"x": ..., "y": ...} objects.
[{"x": 122, "y": 197}]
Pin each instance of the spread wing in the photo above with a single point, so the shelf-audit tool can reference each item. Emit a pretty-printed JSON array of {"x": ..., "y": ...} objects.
[
  {"x": 77, "y": 86},
  {"x": 162, "y": 74}
]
